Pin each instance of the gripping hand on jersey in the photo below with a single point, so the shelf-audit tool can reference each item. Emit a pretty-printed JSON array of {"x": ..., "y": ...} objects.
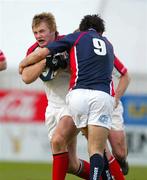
[
  {"x": 57, "y": 61},
  {"x": 53, "y": 63}
]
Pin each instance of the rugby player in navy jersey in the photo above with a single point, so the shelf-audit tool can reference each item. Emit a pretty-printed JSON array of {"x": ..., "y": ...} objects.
[
  {"x": 61, "y": 129},
  {"x": 118, "y": 155},
  {"x": 89, "y": 99}
]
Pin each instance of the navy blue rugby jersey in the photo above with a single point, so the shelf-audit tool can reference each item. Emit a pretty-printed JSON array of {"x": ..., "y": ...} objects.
[{"x": 91, "y": 59}]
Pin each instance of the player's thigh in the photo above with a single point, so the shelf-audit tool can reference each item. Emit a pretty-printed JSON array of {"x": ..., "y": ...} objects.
[
  {"x": 97, "y": 137},
  {"x": 117, "y": 140},
  {"x": 59, "y": 122},
  {"x": 117, "y": 135},
  {"x": 66, "y": 129},
  {"x": 117, "y": 118},
  {"x": 51, "y": 120}
]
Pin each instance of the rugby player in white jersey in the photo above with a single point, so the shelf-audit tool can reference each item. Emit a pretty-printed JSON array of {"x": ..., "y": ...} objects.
[{"x": 61, "y": 129}]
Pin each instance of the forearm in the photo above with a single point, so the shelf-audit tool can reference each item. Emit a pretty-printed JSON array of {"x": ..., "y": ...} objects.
[
  {"x": 36, "y": 56},
  {"x": 33, "y": 58},
  {"x": 32, "y": 72},
  {"x": 122, "y": 86}
]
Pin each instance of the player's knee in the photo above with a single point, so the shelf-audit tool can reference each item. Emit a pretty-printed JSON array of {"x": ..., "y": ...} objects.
[{"x": 58, "y": 143}]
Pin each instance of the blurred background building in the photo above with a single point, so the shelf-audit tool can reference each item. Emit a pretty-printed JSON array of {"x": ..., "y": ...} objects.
[{"x": 23, "y": 135}]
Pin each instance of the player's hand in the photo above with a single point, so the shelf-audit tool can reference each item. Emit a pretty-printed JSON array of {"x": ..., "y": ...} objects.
[
  {"x": 21, "y": 66},
  {"x": 116, "y": 102},
  {"x": 56, "y": 61},
  {"x": 20, "y": 70}
]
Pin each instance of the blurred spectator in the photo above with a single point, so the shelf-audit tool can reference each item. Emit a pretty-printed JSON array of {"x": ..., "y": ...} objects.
[{"x": 3, "y": 62}]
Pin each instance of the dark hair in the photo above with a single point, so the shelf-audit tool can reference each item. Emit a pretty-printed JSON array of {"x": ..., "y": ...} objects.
[{"x": 92, "y": 21}]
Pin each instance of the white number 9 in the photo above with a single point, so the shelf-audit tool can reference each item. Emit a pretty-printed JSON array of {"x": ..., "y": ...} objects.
[{"x": 100, "y": 46}]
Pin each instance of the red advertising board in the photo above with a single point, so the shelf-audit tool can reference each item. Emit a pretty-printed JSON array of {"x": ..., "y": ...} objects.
[{"x": 22, "y": 106}]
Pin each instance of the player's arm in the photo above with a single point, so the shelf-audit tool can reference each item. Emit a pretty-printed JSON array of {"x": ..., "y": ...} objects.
[
  {"x": 124, "y": 79},
  {"x": 33, "y": 58},
  {"x": 32, "y": 72},
  {"x": 52, "y": 48},
  {"x": 122, "y": 86}
]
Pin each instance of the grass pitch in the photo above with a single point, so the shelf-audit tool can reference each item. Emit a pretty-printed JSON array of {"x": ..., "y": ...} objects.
[{"x": 42, "y": 171}]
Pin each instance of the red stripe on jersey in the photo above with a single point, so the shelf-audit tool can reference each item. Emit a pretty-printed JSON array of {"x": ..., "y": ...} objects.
[
  {"x": 74, "y": 63},
  {"x": 73, "y": 67},
  {"x": 112, "y": 89},
  {"x": 32, "y": 48},
  {"x": 119, "y": 66},
  {"x": 79, "y": 38}
]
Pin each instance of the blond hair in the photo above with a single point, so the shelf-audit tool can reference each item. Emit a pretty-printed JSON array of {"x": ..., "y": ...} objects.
[{"x": 46, "y": 17}]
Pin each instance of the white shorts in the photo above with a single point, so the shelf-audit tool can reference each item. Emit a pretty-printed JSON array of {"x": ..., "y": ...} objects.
[
  {"x": 90, "y": 107},
  {"x": 53, "y": 116},
  {"x": 117, "y": 118}
]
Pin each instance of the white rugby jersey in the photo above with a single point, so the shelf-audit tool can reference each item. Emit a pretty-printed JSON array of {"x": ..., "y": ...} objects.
[{"x": 57, "y": 88}]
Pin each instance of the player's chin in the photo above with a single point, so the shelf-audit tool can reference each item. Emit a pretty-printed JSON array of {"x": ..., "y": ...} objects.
[{"x": 42, "y": 44}]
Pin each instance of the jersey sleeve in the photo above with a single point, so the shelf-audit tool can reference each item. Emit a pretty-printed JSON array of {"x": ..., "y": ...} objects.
[
  {"x": 32, "y": 48},
  {"x": 119, "y": 69},
  {"x": 2, "y": 56},
  {"x": 63, "y": 44}
]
